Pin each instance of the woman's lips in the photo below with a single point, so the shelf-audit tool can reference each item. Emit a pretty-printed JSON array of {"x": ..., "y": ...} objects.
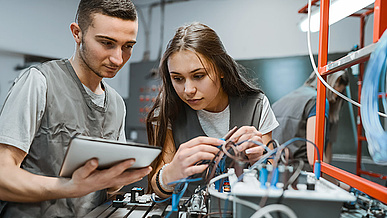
[{"x": 194, "y": 101}]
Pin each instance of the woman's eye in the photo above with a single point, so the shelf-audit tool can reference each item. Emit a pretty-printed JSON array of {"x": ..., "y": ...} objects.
[
  {"x": 199, "y": 76},
  {"x": 177, "y": 79}
]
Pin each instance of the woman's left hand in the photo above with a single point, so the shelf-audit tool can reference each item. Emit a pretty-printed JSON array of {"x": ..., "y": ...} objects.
[{"x": 251, "y": 149}]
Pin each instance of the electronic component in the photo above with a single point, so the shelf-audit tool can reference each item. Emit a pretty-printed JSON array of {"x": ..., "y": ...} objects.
[
  {"x": 318, "y": 199},
  {"x": 135, "y": 194}
]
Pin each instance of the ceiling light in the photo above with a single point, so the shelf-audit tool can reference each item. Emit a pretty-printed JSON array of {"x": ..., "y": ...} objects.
[{"x": 338, "y": 10}]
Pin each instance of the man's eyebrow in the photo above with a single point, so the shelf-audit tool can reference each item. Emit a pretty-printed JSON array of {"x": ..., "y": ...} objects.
[{"x": 111, "y": 39}]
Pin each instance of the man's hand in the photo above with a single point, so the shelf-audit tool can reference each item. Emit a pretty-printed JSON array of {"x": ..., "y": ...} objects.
[{"x": 88, "y": 178}]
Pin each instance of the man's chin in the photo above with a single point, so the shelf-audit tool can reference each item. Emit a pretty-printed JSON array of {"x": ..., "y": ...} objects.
[{"x": 108, "y": 74}]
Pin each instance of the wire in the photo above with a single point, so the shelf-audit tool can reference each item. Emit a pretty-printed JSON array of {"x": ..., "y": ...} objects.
[
  {"x": 188, "y": 180},
  {"x": 317, "y": 73},
  {"x": 176, "y": 196},
  {"x": 292, "y": 179},
  {"x": 266, "y": 156},
  {"x": 272, "y": 208},
  {"x": 161, "y": 201}
]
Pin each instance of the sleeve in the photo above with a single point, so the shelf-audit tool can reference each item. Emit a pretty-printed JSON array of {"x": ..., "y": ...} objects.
[
  {"x": 23, "y": 109},
  {"x": 122, "y": 136},
  {"x": 312, "y": 112},
  {"x": 268, "y": 121}
]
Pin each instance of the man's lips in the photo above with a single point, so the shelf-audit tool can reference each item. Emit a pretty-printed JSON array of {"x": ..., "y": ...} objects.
[{"x": 112, "y": 67}]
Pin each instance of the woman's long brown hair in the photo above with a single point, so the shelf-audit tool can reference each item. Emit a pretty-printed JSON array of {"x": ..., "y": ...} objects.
[{"x": 200, "y": 39}]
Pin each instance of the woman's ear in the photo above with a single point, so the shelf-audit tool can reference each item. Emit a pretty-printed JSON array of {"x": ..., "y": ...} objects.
[{"x": 77, "y": 32}]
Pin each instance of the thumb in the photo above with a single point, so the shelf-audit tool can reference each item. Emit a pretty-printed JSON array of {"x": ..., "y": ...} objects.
[{"x": 84, "y": 171}]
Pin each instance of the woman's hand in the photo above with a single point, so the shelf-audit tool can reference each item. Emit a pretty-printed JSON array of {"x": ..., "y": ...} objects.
[
  {"x": 251, "y": 149},
  {"x": 188, "y": 155}
]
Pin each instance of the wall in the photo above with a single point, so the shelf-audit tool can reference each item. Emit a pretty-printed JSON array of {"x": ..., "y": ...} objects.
[{"x": 250, "y": 29}]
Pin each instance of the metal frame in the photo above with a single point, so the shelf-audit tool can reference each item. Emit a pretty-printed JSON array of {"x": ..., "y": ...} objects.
[{"x": 380, "y": 24}]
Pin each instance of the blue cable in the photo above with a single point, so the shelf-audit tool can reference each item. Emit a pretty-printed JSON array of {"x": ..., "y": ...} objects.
[
  {"x": 176, "y": 198},
  {"x": 263, "y": 174},
  {"x": 374, "y": 131},
  {"x": 317, "y": 171},
  {"x": 161, "y": 201},
  {"x": 274, "y": 178}
]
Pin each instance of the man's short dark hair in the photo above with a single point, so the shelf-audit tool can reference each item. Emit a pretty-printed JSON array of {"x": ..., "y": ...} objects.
[{"x": 123, "y": 9}]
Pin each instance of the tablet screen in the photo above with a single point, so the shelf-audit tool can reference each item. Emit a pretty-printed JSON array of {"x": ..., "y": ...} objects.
[{"x": 108, "y": 153}]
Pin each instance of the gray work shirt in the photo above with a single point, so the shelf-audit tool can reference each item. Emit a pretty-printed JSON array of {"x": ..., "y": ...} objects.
[{"x": 46, "y": 106}]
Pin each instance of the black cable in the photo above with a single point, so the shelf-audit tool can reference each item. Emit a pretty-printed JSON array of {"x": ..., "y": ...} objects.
[{"x": 293, "y": 178}]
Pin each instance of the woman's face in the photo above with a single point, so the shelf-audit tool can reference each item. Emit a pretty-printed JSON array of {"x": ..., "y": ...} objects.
[
  {"x": 196, "y": 82},
  {"x": 338, "y": 87}
]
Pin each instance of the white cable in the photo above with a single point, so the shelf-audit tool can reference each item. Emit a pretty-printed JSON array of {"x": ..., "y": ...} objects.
[
  {"x": 272, "y": 208},
  {"x": 374, "y": 131},
  {"x": 317, "y": 73}
]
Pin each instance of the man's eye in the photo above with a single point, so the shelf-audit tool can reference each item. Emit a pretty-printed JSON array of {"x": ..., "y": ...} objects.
[
  {"x": 107, "y": 43},
  {"x": 128, "y": 46}
]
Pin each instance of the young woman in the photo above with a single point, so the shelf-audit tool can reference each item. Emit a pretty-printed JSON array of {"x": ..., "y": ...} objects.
[{"x": 203, "y": 96}]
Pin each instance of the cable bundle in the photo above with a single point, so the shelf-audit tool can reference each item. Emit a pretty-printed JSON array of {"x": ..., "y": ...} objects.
[{"x": 374, "y": 131}]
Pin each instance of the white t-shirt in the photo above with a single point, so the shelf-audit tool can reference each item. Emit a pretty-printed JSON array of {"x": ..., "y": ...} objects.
[{"x": 217, "y": 124}]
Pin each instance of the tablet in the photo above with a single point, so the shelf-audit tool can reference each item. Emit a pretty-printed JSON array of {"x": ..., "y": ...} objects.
[{"x": 108, "y": 153}]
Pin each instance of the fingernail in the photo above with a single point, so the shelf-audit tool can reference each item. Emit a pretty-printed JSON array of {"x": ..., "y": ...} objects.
[
  {"x": 248, "y": 151},
  {"x": 93, "y": 163}
]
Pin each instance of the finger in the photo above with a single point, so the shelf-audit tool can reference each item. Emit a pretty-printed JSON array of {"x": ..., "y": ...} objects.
[
  {"x": 184, "y": 153},
  {"x": 245, "y": 130},
  {"x": 87, "y": 169},
  {"x": 119, "y": 168},
  {"x": 254, "y": 150},
  {"x": 248, "y": 143},
  {"x": 204, "y": 148},
  {"x": 131, "y": 176},
  {"x": 192, "y": 160},
  {"x": 202, "y": 140},
  {"x": 195, "y": 169}
]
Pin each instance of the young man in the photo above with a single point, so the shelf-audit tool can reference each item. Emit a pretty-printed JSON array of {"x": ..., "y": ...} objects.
[{"x": 50, "y": 103}]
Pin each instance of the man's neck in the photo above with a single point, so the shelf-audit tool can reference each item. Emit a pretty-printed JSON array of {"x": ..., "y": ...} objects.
[{"x": 86, "y": 76}]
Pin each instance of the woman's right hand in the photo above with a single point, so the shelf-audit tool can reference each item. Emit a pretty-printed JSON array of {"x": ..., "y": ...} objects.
[{"x": 188, "y": 154}]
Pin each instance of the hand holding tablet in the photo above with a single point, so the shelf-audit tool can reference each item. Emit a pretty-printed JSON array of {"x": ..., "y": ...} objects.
[{"x": 108, "y": 152}]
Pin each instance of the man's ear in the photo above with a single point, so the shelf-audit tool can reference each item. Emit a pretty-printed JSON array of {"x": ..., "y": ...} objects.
[{"x": 77, "y": 33}]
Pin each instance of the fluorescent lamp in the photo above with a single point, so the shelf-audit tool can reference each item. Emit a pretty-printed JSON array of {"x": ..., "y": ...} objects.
[{"x": 338, "y": 10}]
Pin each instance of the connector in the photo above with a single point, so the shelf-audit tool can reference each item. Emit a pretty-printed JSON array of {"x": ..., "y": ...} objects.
[
  {"x": 263, "y": 176},
  {"x": 175, "y": 202},
  {"x": 317, "y": 169},
  {"x": 274, "y": 178}
]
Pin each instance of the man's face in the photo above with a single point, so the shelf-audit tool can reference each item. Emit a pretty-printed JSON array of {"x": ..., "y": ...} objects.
[{"x": 107, "y": 45}]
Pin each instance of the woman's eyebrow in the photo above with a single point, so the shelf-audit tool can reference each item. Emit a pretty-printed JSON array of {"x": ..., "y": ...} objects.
[{"x": 193, "y": 71}]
